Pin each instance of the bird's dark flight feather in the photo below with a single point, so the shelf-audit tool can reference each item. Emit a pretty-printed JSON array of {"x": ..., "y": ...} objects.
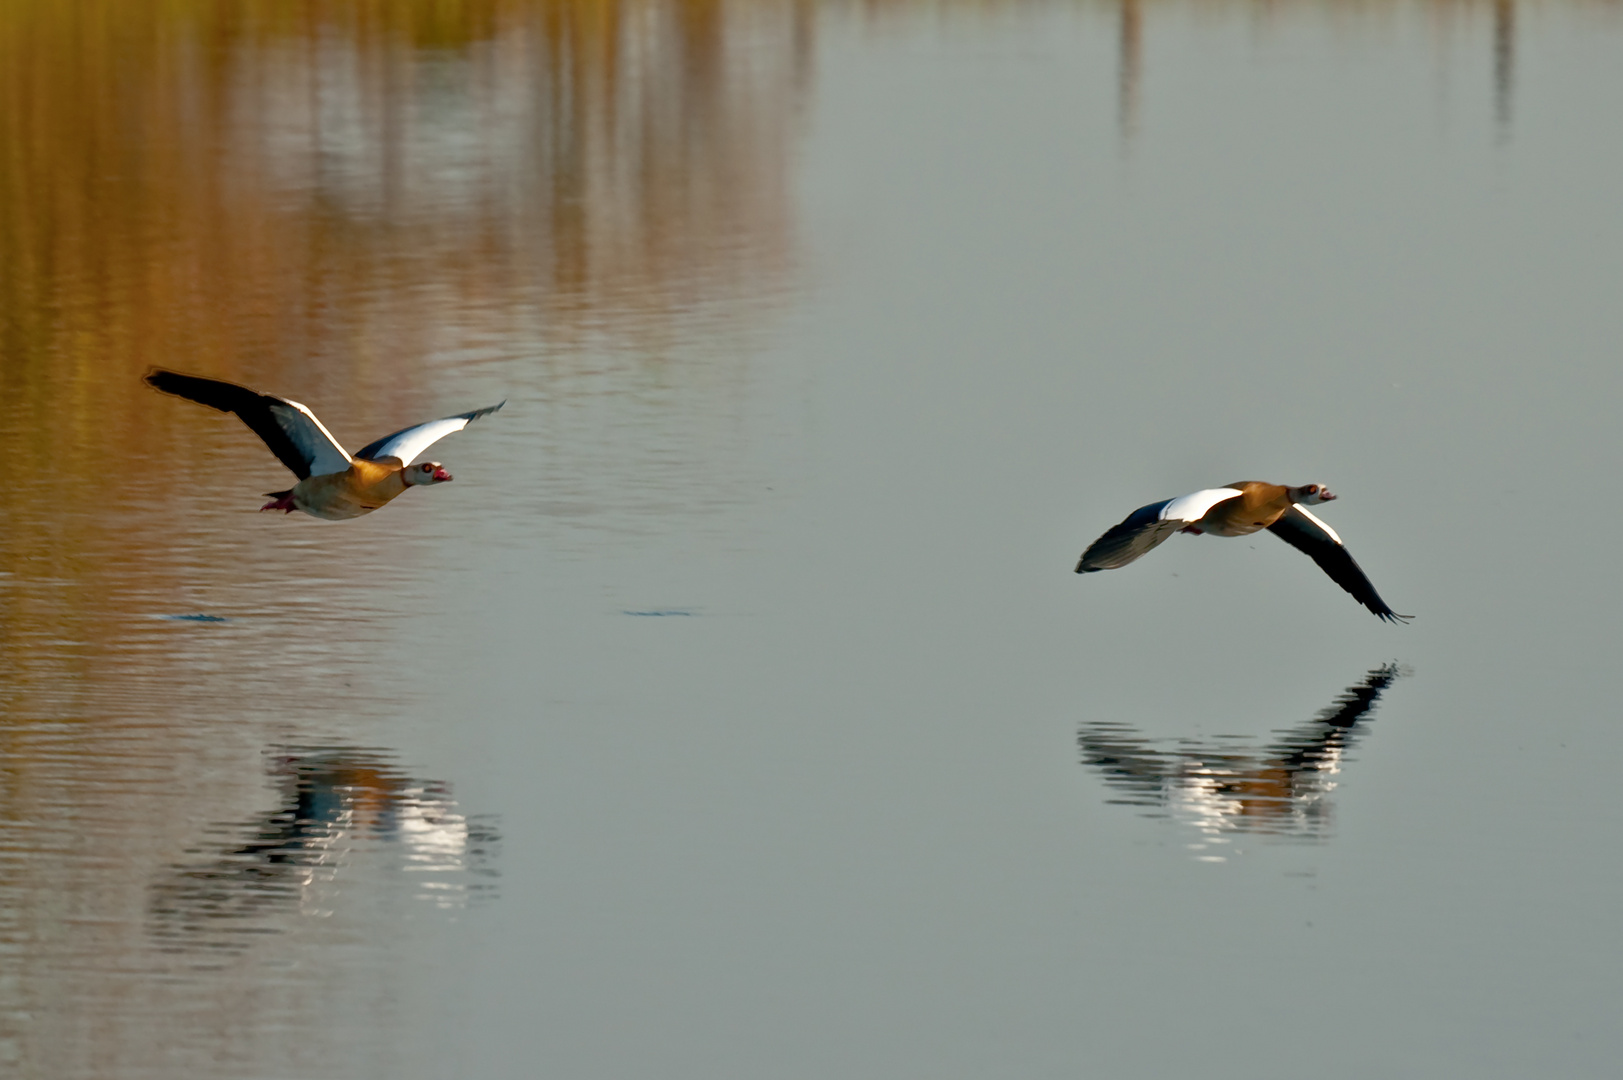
[
  {"x": 252, "y": 407},
  {"x": 1303, "y": 534},
  {"x": 1141, "y": 531}
]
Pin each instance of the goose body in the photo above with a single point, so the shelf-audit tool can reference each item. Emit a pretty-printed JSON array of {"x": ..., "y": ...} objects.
[
  {"x": 1240, "y": 509},
  {"x": 332, "y": 484}
]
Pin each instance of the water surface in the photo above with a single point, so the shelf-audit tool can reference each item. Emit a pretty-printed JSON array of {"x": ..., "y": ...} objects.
[{"x": 736, "y": 712}]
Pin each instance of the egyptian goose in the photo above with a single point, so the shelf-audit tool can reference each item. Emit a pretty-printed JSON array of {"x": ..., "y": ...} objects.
[
  {"x": 1240, "y": 509},
  {"x": 332, "y": 484}
]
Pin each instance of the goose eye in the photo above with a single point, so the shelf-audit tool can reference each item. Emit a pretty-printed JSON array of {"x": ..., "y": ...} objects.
[{"x": 428, "y": 468}]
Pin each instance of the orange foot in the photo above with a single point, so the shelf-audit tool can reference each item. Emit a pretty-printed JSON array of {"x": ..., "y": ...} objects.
[{"x": 284, "y": 503}]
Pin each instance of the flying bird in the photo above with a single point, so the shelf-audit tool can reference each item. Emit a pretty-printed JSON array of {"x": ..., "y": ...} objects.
[
  {"x": 1241, "y": 509},
  {"x": 332, "y": 484}
]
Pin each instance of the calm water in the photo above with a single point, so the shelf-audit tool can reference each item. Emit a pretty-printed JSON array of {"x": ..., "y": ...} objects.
[{"x": 736, "y": 712}]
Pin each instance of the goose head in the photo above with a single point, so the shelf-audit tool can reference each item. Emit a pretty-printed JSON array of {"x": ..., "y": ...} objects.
[
  {"x": 426, "y": 472},
  {"x": 1310, "y": 494}
]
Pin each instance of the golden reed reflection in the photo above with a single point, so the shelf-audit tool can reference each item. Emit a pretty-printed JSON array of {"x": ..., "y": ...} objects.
[
  {"x": 1504, "y": 60},
  {"x": 335, "y": 200},
  {"x": 1130, "y": 75},
  {"x": 1220, "y": 788}
]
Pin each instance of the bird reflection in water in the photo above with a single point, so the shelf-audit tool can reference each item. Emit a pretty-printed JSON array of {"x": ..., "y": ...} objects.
[
  {"x": 1280, "y": 790},
  {"x": 344, "y": 813}
]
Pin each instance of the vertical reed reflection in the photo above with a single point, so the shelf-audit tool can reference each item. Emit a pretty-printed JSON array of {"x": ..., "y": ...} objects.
[
  {"x": 1130, "y": 62},
  {"x": 1131, "y": 23},
  {"x": 342, "y": 201},
  {"x": 339, "y": 201},
  {"x": 1221, "y": 788},
  {"x": 1504, "y": 61}
]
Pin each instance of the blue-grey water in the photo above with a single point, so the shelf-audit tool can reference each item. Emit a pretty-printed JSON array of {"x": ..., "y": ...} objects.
[{"x": 736, "y": 713}]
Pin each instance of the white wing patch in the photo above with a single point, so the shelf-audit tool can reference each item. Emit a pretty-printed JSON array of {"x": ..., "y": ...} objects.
[
  {"x": 312, "y": 438},
  {"x": 1193, "y": 507},
  {"x": 407, "y": 444},
  {"x": 1328, "y": 531}
]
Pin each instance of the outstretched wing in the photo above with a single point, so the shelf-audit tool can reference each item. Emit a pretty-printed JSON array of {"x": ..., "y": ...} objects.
[
  {"x": 1306, "y": 533},
  {"x": 407, "y": 443},
  {"x": 1148, "y": 526},
  {"x": 290, "y": 430},
  {"x": 1142, "y": 530}
]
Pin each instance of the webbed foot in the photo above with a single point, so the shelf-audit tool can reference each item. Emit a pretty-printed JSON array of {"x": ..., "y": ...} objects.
[{"x": 285, "y": 503}]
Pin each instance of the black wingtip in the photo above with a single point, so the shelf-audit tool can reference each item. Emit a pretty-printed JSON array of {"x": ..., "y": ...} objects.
[
  {"x": 215, "y": 393},
  {"x": 174, "y": 383},
  {"x": 1394, "y": 618}
]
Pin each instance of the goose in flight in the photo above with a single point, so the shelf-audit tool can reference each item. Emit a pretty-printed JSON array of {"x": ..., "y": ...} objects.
[
  {"x": 332, "y": 483},
  {"x": 1241, "y": 509}
]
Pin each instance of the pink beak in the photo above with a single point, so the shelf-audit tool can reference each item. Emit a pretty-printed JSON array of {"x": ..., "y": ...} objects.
[{"x": 441, "y": 474}]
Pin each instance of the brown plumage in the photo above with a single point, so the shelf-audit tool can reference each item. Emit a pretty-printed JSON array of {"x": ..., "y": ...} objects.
[
  {"x": 1258, "y": 507},
  {"x": 362, "y": 488}
]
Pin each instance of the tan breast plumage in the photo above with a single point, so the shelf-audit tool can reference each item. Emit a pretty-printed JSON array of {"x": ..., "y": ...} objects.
[
  {"x": 1258, "y": 507},
  {"x": 366, "y": 486}
]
